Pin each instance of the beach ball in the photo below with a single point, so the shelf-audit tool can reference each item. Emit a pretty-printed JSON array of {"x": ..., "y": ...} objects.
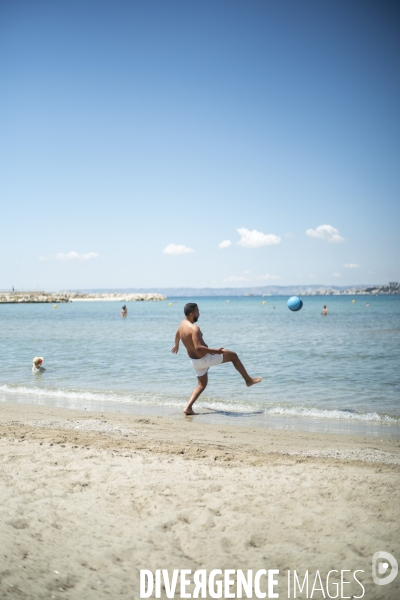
[
  {"x": 294, "y": 303},
  {"x": 263, "y": 302},
  {"x": 353, "y": 301},
  {"x": 170, "y": 304},
  {"x": 55, "y": 306}
]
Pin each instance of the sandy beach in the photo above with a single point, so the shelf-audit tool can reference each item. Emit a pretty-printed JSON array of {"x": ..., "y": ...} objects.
[{"x": 89, "y": 499}]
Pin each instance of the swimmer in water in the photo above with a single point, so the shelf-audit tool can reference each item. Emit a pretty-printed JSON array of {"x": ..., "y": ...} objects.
[
  {"x": 37, "y": 365},
  {"x": 324, "y": 311},
  {"x": 124, "y": 311}
]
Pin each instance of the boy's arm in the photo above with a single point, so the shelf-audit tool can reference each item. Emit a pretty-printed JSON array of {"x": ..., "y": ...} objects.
[
  {"x": 200, "y": 346},
  {"x": 175, "y": 348}
]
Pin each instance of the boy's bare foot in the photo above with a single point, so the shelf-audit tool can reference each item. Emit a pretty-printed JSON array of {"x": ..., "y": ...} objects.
[
  {"x": 253, "y": 380},
  {"x": 189, "y": 411}
]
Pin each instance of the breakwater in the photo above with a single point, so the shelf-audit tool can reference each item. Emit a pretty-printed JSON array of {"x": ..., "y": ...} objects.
[{"x": 60, "y": 297}]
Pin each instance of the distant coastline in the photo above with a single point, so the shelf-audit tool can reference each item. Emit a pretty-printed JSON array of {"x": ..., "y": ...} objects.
[
  {"x": 143, "y": 295},
  {"x": 270, "y": 290}
]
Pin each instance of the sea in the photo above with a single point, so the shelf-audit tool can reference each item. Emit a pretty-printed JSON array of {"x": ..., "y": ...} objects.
[{"x": 337, "y": 373}]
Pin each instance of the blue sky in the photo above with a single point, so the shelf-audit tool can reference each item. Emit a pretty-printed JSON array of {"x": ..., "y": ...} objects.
[{"x": 136, "y": 136}]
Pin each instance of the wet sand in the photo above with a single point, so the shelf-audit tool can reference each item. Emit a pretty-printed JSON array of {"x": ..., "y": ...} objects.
[{"x": 89, "y": 499}]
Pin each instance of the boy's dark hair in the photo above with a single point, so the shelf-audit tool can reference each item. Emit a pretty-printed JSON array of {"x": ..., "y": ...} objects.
[{"x": 190, "y": 307}]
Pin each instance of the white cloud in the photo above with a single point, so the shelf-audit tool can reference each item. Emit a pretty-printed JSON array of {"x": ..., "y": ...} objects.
[
  {"x": 233, "y": 279},
  {"x": 177, "y": 249},
  {"x": 75, "y": 256},
  {"x": 255, "y": 239},
  {"x": 70, "y": 256},
  {"x": 325, "y": 232},
  {"x": 351, "y": 266},
  {"x": 269, "y": 277},
  {"x": 336, "y": 274},
  {"x": 225, "y": 244}
]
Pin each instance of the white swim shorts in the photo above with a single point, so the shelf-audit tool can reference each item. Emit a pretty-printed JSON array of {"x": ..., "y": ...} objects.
[{"x": 201, "y": 365}]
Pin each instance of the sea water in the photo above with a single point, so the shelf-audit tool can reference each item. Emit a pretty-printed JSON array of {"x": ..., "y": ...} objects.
[{"x": 340, "y": 370}]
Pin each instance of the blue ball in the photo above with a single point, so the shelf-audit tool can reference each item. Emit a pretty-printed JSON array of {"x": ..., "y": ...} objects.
[{"x": 294, "y": 303}]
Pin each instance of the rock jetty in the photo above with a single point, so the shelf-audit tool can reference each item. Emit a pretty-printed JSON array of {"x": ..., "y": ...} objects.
[
  {"x": 31, "y": 297},
  {"x": 76, "y": 297},
  {"x": 58, "y": 298}
]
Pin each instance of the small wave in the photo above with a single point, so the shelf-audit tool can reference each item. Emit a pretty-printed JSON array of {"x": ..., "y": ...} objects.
[
  {"x": 302, "y": 411},
  {"x": 91, "y": 396},
  {"x": 321, "y": 413},
  {"x": 213, "y": 404},
  {"x": 60, "y": 393}
]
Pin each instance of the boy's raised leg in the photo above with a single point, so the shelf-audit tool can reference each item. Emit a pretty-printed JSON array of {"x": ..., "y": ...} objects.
[{"x": 232, "y": 357}]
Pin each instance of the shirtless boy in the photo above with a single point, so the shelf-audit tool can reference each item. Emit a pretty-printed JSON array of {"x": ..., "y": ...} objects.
[{"x": 202, "y": 357}]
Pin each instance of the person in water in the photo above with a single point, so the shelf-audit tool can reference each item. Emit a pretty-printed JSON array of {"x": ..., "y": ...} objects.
[
  {"x": 202, "y": 357},
  {"x": 324, "y": 311},
  {"x": 37, "y": 364},
  {"x": 124, "y": 311}
]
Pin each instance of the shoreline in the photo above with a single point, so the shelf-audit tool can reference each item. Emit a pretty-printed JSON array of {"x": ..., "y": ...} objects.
[
  {"x": 209, "y": 416},
  {"x": 172, "y": 431}
]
